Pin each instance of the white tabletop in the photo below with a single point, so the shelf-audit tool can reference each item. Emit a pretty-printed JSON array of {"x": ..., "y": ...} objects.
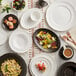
[{"x": 34, "y": 50}]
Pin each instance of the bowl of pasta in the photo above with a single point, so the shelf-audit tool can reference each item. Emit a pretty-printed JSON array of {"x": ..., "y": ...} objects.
[{"x": 11, "y": 64}]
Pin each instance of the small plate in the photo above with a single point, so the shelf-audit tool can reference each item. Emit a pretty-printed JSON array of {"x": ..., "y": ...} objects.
[
  {"x": 50, "y": 65},
  {"x": 67, "y": 69},
  {"x": 52, "y": 33},
  {"x": 26, "y": 21},
  {"x": 20, "y": 41},
  {"x": 61, "y": 16},
  {"x": 18, "y": 58},
  {"x": 5, "y": 26}
]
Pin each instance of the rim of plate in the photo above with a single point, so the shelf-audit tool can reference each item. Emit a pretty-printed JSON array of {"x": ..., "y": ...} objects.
[
  {"x": 24, "y": 33},
  {"x": 49, "y": 58},
  {"x": 69, "y": 8},
  {"x": 29, "y": 12}
]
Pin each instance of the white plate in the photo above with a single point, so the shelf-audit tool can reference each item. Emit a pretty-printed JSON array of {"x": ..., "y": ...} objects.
[
  {"x": 61, "y": 16},
  {"x": 3, "y": 37},
  {"x": 50, "y": 66},
  {"x": 26, "y": 21},
  {"x": 20, "y": 41}
]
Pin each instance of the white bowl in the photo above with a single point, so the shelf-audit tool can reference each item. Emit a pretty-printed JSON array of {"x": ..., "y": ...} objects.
[
  {"x": 35, "y": 15},
  {"x": 20, "y": 41}
]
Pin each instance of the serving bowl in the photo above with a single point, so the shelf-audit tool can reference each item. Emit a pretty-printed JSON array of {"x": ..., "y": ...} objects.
[
  {"x": 50, "y": 32},
  {"x": 18, "y": 59}
]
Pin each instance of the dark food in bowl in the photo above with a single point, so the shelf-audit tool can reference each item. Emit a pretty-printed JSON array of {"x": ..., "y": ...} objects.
[
  {"x": 18, "y": 4},
  {"x": 10, "y": 22},
  {"x": 18, "y": 67},
  {"x": 46, "y": 40},
  {"x": 66, "y": 52}
]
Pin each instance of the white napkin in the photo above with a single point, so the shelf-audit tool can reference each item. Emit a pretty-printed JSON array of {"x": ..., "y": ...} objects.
[
  {"x": 71, "y": 42},
  {"x": 73, "y": 33}
]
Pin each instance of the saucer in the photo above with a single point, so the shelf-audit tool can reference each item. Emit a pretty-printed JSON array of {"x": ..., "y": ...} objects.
[{"x": 27, "y": 22}]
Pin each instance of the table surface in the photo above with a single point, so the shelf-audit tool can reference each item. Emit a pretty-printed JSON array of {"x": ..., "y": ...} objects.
[{"x": 33, "y": 51}]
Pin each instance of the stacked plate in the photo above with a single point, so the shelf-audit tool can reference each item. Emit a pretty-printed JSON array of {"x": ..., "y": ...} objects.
[
  {"x": 50, "y": 66},
  {"x": 61, "y": 16},
  {"x": 31, "y": 18}
]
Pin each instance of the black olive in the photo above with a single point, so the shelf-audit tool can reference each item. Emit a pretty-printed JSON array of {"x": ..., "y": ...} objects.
[{"x": 41, "y": 3}]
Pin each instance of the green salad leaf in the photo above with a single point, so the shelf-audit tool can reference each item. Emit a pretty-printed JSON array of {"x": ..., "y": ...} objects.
[{"x": 6, "y": 68}]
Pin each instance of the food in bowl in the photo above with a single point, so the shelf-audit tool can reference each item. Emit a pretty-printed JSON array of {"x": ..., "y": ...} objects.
[
  {"x": 66, "y": 52},
  {"x": 10, "y": 22},
  {"x": 41, "y": 66},
  {"x": 18, "y": 4},
  {"x": 46, "y": 40},
  {"x": 10, "y": 67}
]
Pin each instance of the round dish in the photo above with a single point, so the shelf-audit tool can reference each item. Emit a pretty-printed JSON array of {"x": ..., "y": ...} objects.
[
  {"x": 60, "y": 16},
  {"x": 62, "y": 50},
  {"x": 50, "y": 68},
  {"x": 18, "y": 5},
  {"x": 10, "y": 20},
  {"x": 19, "y": 59},
  {"x": 20, "y": 41},
  {"x": 50, "y": 32},
  {"x": 27, "y": 22},
  {"x": 67, "y": 69}
]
